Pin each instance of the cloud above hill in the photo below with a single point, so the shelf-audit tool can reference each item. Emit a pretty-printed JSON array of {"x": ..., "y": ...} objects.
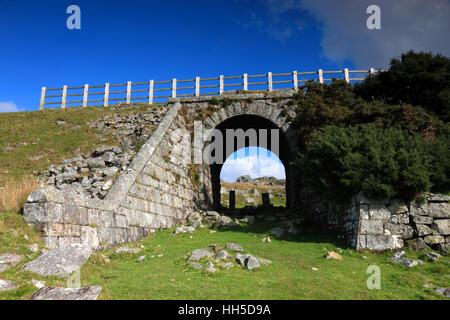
[
  {"x": 405, "y": 24},
  {"x": 254, "y": 165},
  {"x": 9, "y": 106}
]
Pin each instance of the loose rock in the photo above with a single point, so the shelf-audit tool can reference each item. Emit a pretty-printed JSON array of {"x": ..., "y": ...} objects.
[
  {"x": 7, "y": 285},
  {"x": 198, "y": 254},
  {"x": 61, "y": 261},
  {"x": 234, "y": 247},
  {"x": 57, "y": 293}
]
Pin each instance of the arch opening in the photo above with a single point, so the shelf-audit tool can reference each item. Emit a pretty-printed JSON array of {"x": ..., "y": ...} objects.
[
  {"x": 268, "y": 136},
  {"x": 248, "y": 174}
]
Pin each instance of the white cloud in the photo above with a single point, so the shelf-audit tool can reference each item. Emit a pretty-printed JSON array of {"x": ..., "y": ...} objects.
[
  {"x": 8, "y": 106},
  {"x": 261, "y": 165},
  {"x": 405, "y": 25}
]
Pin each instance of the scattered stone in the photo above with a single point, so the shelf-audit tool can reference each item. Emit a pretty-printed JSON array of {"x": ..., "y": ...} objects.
[
  {"x": 141, "y": 259},
  {"x": 7, "y": 285},
  {"x": 234, "y": 247},
  {"x": 226, "y": 264},
  {"x": 215, "y": 247},
  {"x": 443, "y": 291},
  {"x": 198, "y": 254},
  {"x": 195, "y": 265},
  {"x": 209, "y": 264},
  {"x": 430, "y": 256},
  {"x": 38, "y": 284},
  {"x": 33, "y": 247},
  {"x": 160, "y": 255},
  {"x": 333, "y": 255},
  {"x": 221, "y": 255},
  {"x": 240, "y": 258},
  {"x": 4, "y": 266},
  {"x": 252, "y": 263},
  {"x": 61, "y": 261},
  {"x": 10, "y": 258},
  {"x": 127, "y": 249},
  {"x": 397, "y": 257},
  {"x": 314, "y": 269},
  {"x": 211, "y": 270},
  {"x": 277, "y": 232},
  {"x": 184, "y": 229},
  {"x": 267, "y": 239},
  {"x": 57, "y": 293}
]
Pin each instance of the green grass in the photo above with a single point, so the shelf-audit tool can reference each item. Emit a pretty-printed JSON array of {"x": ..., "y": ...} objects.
[
  {"x": 46, "y": 142},
  {"x": 288, "y": 277}
]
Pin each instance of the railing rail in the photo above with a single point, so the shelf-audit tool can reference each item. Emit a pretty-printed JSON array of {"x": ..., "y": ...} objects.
[{"x": 190, "y": 87}]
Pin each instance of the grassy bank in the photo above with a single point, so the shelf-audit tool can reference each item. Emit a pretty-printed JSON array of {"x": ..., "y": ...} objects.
[
  {"x": 36, "y": 139},
  {"x": 290, "y": 276}
]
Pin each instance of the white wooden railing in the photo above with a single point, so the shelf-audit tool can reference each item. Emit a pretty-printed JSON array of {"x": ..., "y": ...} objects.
[{"x": 178, "y": 88}]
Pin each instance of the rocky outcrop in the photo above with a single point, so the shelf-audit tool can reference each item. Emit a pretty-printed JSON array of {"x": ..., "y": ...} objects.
[
  {"x": 93, "y": 174},
  {"x": 60, "y": 262}
]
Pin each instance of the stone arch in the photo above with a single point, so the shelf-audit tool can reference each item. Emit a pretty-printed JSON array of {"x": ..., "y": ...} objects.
[{"x": 243, "y": 114}]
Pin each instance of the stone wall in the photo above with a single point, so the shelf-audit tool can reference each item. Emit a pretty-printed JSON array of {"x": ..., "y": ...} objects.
[
  {"x": 379, "y": 224},
  {"x": 154, "y": 192}
]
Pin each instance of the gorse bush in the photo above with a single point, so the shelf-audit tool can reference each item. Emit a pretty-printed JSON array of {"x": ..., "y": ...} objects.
[
  {"x": 343, "y": 161},
  {"x": 388, "y": 136},
  {"x": 319, "y": 105},
  {"x": 415, "y": 78}
]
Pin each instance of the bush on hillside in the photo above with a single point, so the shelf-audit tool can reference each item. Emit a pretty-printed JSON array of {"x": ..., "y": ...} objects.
[
  {"x": 381, "y": 162},
  {"x": 319, "y": 105},
  {"x": 415, "y": 78}
]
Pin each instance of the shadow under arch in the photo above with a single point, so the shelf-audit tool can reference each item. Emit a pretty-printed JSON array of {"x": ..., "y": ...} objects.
[{"x": 246, "y": 122}]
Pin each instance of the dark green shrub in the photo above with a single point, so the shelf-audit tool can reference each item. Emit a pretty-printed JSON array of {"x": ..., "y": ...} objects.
[
  {"x": 439, "y": 149},
  {"x": 336, "y": 104},
  {"x": 415, "y": 78},
  {"x": 342, "y": 161}
]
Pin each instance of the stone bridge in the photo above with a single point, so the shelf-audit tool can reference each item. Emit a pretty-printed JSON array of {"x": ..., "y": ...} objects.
[{"x": 166, "y": 182}]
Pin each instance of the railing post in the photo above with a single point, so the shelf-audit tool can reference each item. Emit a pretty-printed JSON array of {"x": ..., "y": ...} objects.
[
  {"x": 294, "y": 73},
  {"x": 347, "y": 77},
  {"x": 106, "y": 100},
  {"x": 128, "y": 92},
  {"x": 320, "y": 75},
  {"x": 64, "y": 96},
  {"x": 41, "y": 105},
  {"x": 269, "y": 76},
  {"x": 197, "y": 86},
  {"x": 245, "y": 82},
  {"x": 372, "y": 71},
  {"x": 85, "y": 95},
  {"x": 174, "y": 88},
  {"x": 150, "y": 92},
  {"x": 221, "y": 85}
]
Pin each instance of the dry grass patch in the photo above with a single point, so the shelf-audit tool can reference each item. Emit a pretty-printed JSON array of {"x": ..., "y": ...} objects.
[{"x": 14, "y": 194}]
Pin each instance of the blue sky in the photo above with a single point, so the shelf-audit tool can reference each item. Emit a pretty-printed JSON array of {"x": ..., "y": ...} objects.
[
  {"x": 139, "y": 40},
  {"x": 252, "y": 161}
]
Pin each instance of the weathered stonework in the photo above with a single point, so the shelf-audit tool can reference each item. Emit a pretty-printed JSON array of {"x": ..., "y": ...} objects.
[
  {"x": 154, "y": 192},
  {"x": 378, "y": 224}
]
